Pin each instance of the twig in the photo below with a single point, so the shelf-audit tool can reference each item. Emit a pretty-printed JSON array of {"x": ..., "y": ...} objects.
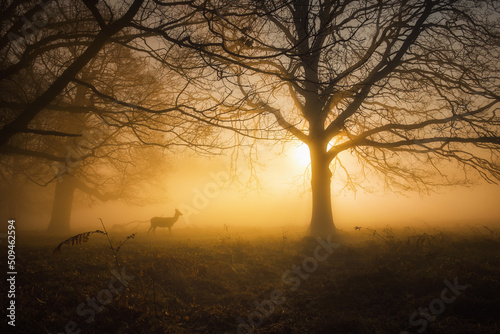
[{"x": 111, "y": 245}]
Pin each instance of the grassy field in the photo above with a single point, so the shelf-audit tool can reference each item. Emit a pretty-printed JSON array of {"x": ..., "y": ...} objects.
[{"x": 233, "y": 281}]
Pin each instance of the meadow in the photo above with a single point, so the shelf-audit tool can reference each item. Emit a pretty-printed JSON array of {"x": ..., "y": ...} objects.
[{"x": 228, "y": 280}]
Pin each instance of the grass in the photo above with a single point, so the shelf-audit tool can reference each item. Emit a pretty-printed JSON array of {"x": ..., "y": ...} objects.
[{"x": 187, "y": 283}]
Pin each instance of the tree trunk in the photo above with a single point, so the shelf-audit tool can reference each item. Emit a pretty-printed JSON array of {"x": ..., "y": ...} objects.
[
  {"x": 61, "y": 209},
  {"x": 322, "y": 218}
]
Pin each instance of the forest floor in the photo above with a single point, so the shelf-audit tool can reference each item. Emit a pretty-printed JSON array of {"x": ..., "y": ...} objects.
[{"x": 367, "y": 281}]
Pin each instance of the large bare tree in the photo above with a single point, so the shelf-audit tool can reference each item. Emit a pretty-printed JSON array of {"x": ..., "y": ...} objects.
[{"x": 404, "y": 86}]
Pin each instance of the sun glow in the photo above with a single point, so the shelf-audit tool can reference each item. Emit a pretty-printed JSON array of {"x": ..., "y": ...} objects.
[{"x": 301, "y": 155}]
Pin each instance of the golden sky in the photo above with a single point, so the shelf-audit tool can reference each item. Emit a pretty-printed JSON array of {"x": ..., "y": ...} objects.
[{"x": 197, "y": 187}]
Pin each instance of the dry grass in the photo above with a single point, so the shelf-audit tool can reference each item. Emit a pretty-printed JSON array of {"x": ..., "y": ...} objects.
[{"x": 203, "y": 285}]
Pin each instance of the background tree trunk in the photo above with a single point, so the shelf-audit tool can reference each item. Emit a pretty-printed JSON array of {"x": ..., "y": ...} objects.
[
  {"x": 322, "y": 218},
  {"x": 61, "y": 209},
  {"x": 60, "y": 221}
]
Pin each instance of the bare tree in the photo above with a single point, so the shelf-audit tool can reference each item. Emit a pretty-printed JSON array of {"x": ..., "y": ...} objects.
[
  {"x": 44, "y": 46},
  {"x": 106, "y": 162},
  {"x": 404, "y": 86},
  {"x": 47, "y": 47},
  {"x": 68, "y": 100},
  {"x": 32, "y": 32}
]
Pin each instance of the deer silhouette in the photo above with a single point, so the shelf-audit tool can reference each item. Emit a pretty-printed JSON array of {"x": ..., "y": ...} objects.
[{"x": 164, "y": 222}]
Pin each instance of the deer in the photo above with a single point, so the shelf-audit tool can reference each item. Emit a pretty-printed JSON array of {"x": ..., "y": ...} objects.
[{"x": 164, "y": 222}]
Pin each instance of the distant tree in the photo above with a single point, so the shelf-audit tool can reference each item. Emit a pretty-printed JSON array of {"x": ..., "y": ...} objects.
[
  {"x": 68, "y": 96},
  {"x": 107, "y": 162},
  {"x": 404, "y": 86},
  {"x": 44, "y": 47}
]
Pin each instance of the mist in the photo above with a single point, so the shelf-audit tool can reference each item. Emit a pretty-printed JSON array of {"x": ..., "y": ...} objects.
[
  {"x": 278, "y": 166},
  {"x": 211, "y": 197}
]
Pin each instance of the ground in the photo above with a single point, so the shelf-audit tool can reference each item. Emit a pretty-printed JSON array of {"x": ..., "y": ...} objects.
[{"x": 228, "y": 280}]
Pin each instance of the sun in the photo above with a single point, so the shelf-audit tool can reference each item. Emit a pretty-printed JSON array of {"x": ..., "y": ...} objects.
[{"x": 301, "y": 155}]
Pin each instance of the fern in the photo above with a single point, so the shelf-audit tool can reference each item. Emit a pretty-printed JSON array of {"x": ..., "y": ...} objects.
[
  {"x": 75, "y": 240},
  {"x": 84, "y": 237}
]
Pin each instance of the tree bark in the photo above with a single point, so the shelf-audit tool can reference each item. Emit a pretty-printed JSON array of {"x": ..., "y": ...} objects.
[
  {"x": 322, "y": 224},
  {"x": 62, "y": 205}
]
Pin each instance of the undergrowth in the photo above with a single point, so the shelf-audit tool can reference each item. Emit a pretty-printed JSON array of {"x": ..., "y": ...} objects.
[{"x": 372, "y": 284}]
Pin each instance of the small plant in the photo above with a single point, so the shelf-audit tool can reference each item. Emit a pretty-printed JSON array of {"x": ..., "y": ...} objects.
[
  {"x": 284, "y": 238},
  {"x": 124, "y": 241},
  {"x": 493, "y": 233},
  {"x": 227, "y": 238},
  {"x": 84, "y": 237},
  {"x": 75, "y": 240},
  {"x": 421, "y": 240},
  {"x": 374, "y": 233}
]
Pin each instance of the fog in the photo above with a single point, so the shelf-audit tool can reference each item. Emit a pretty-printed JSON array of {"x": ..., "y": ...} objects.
[
  {"x": 250, "y": 167},
  {"x": 210, "y": 195}
]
